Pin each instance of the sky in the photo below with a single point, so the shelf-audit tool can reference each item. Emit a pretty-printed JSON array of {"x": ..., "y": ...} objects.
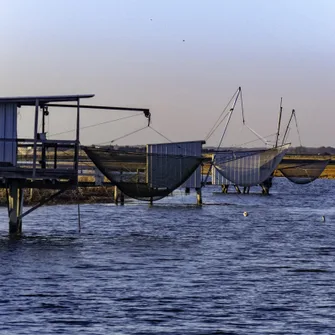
[{"x": 182, "y": 59}]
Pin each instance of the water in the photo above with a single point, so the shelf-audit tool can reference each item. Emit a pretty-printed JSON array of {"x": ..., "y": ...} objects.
[{"x": 175, "y": 268}]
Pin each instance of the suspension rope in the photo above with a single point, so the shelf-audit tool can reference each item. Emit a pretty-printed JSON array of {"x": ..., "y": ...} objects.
[
  {"x": 242, "y": 108},
  {"x": 249, "y": 128},
  {"x": 96, "y": 124},
  {"x": 156, "y": 131},
  {"x": 257, "y": 139},
  {"x": 218, "y": 122},
  {"x": 121, "y": 137},
  {"x": 216, "y": 127},
  {"x": 296, "y": 124}
]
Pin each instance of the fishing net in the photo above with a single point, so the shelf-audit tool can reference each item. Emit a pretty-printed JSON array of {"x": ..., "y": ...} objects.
[
  {"x": 304, "y": 173},
  {"x": 141, "y": 175},
  {"x": 252, "y": 169},
  {"x": 226, "y": 156}
]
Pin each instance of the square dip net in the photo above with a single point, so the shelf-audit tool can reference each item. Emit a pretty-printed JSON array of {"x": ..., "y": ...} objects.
[
  {"x": 141, "y": 175},
  {"x": 304, "y": 173},
  {"x": 252, "y": 169}
]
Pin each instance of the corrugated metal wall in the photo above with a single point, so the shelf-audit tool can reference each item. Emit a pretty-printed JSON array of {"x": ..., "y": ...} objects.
[
  {"x": 8, "y": 130},
  {"x": 157, "y": 170}
]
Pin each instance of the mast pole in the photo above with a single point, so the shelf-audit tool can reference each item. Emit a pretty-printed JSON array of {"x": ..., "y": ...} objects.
[
  {"x": 224, "y": 131},
  {"x": 230, "y": 114},
  {"x": 287, "y": 127},
  {"x": 279, "y": 121}
]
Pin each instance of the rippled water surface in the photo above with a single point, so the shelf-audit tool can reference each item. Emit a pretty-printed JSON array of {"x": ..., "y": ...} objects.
[{"x": 175, "y": 268}]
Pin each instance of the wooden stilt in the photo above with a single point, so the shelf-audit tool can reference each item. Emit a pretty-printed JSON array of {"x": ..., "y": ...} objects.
[
  {"x": 266, "y": 185},
  {"x": 237, "y": 189},
  {"x": 15, "y": 205},
  {"x": 265, "y": 189},
  {"x": 121, "y": 198},
  {"x": 225, "y": 188},
  {"x": 116, "y": 195},
  {"x": 199, "y": 196}
]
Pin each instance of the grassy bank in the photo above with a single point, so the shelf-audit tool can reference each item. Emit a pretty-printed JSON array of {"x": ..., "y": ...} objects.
[{"x": 85, "y": 195}]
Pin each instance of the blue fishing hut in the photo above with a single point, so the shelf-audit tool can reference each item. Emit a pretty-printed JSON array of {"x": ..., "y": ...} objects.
[{"x": 39, "y": 166}]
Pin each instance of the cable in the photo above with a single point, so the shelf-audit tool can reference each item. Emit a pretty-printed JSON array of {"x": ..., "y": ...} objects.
[
  {"x": 217, "y": 121},
  {"x": 236, "y": 96},
  {"x": 119, "y": 138},
  {"x": 242, "y": 107},
  {"x": 207, "y": 138},
  {"x": 244, "y": 123},
  {"x": 296, "y": 124},
  {"x": 95, "y": 125},
  {"x": 156, "y": 131},
  {"x": 257, "y": 139}
]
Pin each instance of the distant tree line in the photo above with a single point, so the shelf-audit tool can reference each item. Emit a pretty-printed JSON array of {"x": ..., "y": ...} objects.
[
  {"x": 312, "y": 151},
  {"x": 292, "y": 150}
]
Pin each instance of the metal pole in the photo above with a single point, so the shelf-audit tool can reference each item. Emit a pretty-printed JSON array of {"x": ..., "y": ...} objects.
[
  {"x": 144, "y": 110},
  {"x": 79, "y": 223},
  {"x": 279, "y": 121},
  {"x": 35, "y": 137},
  {"x": 44, "y": 114},
  {"x": 76, "y": 164},
  {"x": 287, "y": 127},
  {"x": 230, "y": 115}
]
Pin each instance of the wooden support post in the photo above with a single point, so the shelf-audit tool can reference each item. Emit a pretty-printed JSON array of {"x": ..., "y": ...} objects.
[
  {"x": 225, "y": 188},
  {"x": 15, "y": 205},
  {"x": 199, "y": 196},
  {"x": 116, "y": 195},
  {"x": 265, "y": 189},
  {"x": 121, "y": 198},
  {"x": 237, "y": 189},
  {"x": 55, "y": 157},
  {"x": 266, "y": 185},
  {"x": 246, "y": 189}
]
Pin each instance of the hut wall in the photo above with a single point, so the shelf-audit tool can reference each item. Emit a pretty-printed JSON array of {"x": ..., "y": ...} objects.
[
  {"x": 157, "y": 168},
  {"x": 8, "y": 130}
]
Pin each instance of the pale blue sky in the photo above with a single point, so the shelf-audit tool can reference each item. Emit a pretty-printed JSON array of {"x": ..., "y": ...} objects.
[{"x": 181, "y": 59}]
